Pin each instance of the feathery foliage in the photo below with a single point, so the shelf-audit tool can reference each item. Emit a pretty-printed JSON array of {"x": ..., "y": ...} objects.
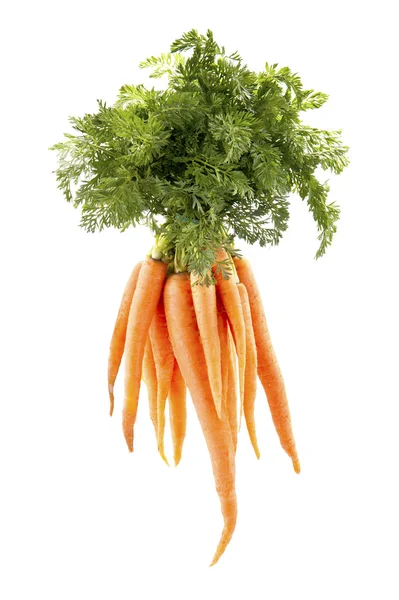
[{"x": 213, "y": 156}]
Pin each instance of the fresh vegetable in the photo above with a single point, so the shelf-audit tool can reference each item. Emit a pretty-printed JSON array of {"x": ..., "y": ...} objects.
[
  {"x": 119, "y": 334},
  {"x": 150, "y": 379},
  {"x": 268, "y": 369},
  {"x": 204, "y": 298},
  {"x": 251, "y": 366},
  {"x": 187, "y": 346},
  {"x": 142, "y": 310},
  {"x": 177, "y": 412},
  {"x": 231, "y": 301},
  {"x": 164, "y": 364},
  {"x": 211, "y": 158}
]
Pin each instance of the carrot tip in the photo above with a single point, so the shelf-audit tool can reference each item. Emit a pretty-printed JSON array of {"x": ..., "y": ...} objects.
[
  {"x": 297, "y": 466},
  {"x": 177, "y": 458},
  {"x": 111, "y": 400},
  {"x": 129, "y": 440},
  {"x": 163, "y": 456}
]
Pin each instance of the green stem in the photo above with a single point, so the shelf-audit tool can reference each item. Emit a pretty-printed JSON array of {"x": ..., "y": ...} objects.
[
  {"x": 179, "y": 261},
  {"x": 156, "y": 250}
]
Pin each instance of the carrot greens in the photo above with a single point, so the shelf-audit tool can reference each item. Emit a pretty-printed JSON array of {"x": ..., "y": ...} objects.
[{"x": 213, "y": 156}]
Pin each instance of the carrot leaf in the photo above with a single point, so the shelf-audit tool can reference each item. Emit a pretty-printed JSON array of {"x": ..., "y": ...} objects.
[{"x": 216, "y": 154}]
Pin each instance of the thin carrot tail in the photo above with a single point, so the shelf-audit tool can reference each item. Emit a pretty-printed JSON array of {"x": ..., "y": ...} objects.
[
  {"x": 250, "y": 421},
  {"x": 230, "y": 507},
  {"x": 128, "y": 420},
  {"x": 177, "y": 412},
  {"x": 111, "y": 399},
  {"x": 161, "y": 432}
]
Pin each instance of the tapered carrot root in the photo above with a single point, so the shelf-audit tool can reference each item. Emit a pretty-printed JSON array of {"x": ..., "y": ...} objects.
[
  {"x": 231, "y": 400},
  {"x": 119, "y": 334},
  {"x": 204, "y": 298},
  {"x": 187, "y": 347},
  {"x": 268, "y": 369},
  {"x": 177, "y": 412},
  {"x": 164, "y": 363},
  {"x": 251, "y": 366},
  {"x": 223, "y": 331},
  {"x": 145, "y": 300},
  {"x": 150, "y": 379},
  {"x": 232, "y": 303}
]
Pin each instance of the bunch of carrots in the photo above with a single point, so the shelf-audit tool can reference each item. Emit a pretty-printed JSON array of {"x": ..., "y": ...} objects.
[
  {"x": 210, "y": 159},
  {"x": 175, "y": 334}
]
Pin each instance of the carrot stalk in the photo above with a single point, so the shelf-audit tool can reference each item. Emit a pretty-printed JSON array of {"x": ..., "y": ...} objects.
[
  {"x": 164, "y": 363},
  {"x": 251, "y": 366},
  {"x": 119, "y": 334},
  {"x": 269, "y": 371},
  {"x": 187, "y": 347},
  {"x": 204, "y": 298},
  {"x": 148, "y": 291},
  {"x": 177, "y": 412}
]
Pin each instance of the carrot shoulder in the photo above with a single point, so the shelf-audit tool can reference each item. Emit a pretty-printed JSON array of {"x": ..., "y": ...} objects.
[
  {"x": 177, "y": 412},
  {"x": 148, "y": 291},
  {"x": 204, "y": 298},
  {"x": 187, "y": 347},
  {"x": 268, "y": 369},
  {"x": 251, "y": 367},
  {"x": 164, "y": 363},
  {"x": 119, "y": 334}
]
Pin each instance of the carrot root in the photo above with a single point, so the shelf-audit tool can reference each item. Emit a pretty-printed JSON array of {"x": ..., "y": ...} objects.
[
  {"x": 188, "y": 350},
  {"x": 117, "y": 344},
  {"x": 145, "y": 300},
  {"x": 269, "y": 371}
]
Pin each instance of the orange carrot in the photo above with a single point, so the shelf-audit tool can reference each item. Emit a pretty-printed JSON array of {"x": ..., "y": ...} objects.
[
  {"x": 232, "y": 303},
  {"x": 177, "y": 412},
  {"x": 148, "y": 291},
  {"x": 231, "y": 400},
  {"x": 223, "y": 331},
  {"x": 150, "y": 379},
  {"x": 187, "y": 347},
  {"x": 251, "y": 366},
  {"x": 268, "y": 369},
  {"x": 204, "y": 298},
  {"x": 119, "y": 334},
  {"x": 223, "y": 341},
  {"x": 164, "y": 363}
]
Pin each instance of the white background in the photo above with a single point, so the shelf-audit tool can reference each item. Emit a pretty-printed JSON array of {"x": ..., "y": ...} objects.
[{"x": 80, "y": 517}]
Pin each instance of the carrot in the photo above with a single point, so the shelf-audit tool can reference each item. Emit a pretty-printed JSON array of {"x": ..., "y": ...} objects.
[
  {"x": 119, "y": 334},
  {"x": 268, "y": 369},
  {"x": 223, "y": 331},
  {"x": 164, "y": 363},
  {"x": 232, "y": 303},
  {"x": 187, "y": 347},
  {"x": 223, "y": 325},
  {"x": 204, "y": 298},
  {"x": 150, "y": 379},
  {"x": 251, "y": 367},
  {"x": 148, "y": 291},
  {"x": 177, "y": 412},
  {"x": 231, "y": 400}
]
